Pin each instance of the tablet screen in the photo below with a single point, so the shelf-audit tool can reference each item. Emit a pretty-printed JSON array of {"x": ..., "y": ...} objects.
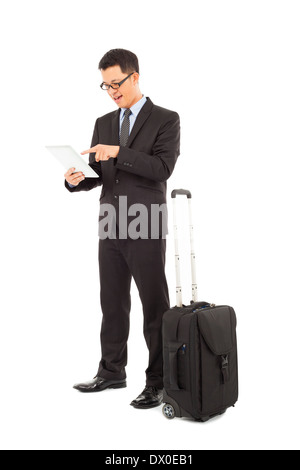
[{"x": 71, "y": 159}]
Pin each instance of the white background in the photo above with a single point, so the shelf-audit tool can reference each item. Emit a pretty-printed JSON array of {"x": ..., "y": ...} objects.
[{"x": 231, "y": 70}]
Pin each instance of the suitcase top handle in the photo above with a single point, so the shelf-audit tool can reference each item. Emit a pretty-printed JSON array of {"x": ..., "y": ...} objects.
[{"x": 181, "y": 192}]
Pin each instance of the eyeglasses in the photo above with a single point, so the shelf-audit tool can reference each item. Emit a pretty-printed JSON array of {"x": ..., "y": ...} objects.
[{"x": 114, "y": 86}]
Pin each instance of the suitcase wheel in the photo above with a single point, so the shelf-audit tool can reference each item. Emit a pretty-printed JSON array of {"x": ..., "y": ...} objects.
[{"x": 168, "y": 411}]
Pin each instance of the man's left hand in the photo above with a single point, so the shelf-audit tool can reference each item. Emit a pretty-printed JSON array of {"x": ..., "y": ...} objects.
[{"x": 103, "y": 152}]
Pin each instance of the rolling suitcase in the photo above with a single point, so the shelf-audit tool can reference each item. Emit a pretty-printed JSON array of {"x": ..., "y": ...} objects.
[{"x": 199, "y": 349}]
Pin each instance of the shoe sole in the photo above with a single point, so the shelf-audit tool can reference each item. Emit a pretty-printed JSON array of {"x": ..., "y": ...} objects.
[{"x": 114, "y": 386}]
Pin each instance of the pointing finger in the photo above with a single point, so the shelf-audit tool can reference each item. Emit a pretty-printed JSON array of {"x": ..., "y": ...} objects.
[
  {"x": 91, "y": 150},
  {"x": 86, "y": 151}
]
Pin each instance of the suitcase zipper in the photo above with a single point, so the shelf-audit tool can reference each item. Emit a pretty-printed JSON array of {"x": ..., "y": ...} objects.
[
  {"x": 193, "y": 361},
  {"x": 203, "y": 308}
]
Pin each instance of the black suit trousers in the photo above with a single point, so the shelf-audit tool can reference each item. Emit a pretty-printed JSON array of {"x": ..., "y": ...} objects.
[{"x": 119, "y": 261}]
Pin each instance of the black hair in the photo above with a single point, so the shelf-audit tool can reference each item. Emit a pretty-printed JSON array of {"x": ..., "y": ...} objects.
[{"x": 127, "y": 60}]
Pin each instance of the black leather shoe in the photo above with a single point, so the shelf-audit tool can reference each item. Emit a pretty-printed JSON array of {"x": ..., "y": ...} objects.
[
  {"x": 98, "y": 384},
  {"x": 149, "y": 398}
]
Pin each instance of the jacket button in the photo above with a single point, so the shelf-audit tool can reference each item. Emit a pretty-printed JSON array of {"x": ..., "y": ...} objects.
[
  {"x": 117, "y": 181},
  {"x": 116, "y": 197}
]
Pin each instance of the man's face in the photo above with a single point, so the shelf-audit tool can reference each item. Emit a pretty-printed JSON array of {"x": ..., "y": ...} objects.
[{"x": 125, "y": 96}]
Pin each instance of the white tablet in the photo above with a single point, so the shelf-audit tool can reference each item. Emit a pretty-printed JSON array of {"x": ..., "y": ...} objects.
[{"x": 71, "y": 159}]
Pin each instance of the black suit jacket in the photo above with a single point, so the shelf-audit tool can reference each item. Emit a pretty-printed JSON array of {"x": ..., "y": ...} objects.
[{"x": 142, "y": 167}]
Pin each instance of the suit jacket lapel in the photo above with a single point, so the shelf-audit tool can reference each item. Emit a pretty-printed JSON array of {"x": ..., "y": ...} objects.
[
  {"x": 141, "y": 118},
  {"x": 115, "y": 128}
]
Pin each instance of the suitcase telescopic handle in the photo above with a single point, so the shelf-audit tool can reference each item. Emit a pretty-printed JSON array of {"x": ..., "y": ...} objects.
[
  {"x": 181, "y": 192},
  {"x": 187, "y": 193}
]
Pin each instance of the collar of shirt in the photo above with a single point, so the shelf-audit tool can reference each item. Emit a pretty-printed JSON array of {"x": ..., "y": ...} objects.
[{"x": 135, "y": 109}]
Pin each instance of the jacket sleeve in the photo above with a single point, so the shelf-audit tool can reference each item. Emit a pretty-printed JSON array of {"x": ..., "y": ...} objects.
[
  {"x": 89, "y": 183},
  {"x": 160, "y": 165}
]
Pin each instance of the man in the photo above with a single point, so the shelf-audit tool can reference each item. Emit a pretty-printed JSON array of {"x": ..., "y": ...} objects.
[{"x": 134, "y": 151}]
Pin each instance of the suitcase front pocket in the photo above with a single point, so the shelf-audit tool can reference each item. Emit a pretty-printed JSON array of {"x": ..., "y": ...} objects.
[{"x": 219, "y": 382}]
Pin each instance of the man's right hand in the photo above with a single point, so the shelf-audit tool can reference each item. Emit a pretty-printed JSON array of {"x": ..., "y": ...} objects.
[{"x": 74, "y": 178}]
